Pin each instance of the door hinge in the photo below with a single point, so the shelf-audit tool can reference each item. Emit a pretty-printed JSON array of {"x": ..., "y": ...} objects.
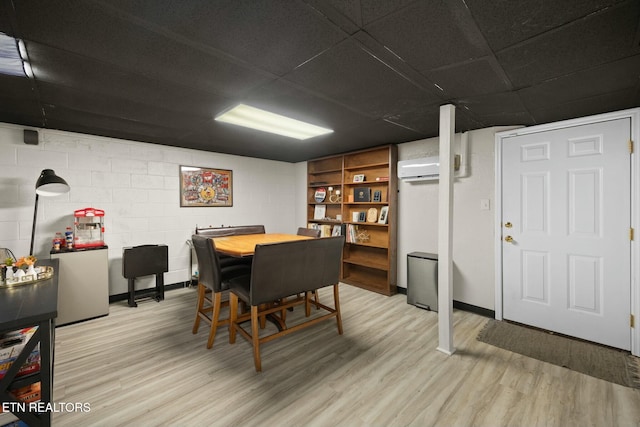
[
  {"x": 631, "y": 146},
  {"x": 632, "y": 321},
  {"x": 631, "y": 234}
]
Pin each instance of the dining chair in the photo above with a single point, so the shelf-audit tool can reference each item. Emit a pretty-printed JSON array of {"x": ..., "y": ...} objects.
[
  {"x": 309, "y": 232},
  {"x": 212, "y": 282},
  {"x": 281, "y": 271},
  {"x": 226, "y": 260},
  {"x": 315, "y": 233}
]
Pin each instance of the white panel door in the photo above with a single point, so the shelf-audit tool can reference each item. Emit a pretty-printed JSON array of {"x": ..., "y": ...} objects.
[{"x": 566, "y": 248}]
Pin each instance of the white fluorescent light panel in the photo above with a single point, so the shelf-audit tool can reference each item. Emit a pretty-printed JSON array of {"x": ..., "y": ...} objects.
[
  {"x": 10, "y": 60},
  {"x": 255, "y": 118}
]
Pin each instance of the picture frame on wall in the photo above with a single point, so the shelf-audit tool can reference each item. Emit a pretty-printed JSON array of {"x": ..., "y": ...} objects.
[{"x": 205, "y": 187}]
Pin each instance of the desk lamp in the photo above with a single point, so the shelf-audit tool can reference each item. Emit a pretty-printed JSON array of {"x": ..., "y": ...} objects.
[{"x": 49, "y": 184}]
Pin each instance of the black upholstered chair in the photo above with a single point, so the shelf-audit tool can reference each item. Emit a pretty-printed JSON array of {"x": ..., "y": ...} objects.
[
  {"x": 309, "y": 232},
  {"x": 226, "y": 260},
  {"x": 280, "y": 271},
  {"x": 212, "y": 281},
  {"x": 315, "y": 233}
]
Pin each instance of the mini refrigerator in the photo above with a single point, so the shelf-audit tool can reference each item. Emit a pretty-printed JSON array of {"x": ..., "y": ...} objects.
[
  {"x": 422, "y": 280},
  {"x": 83, "y": 284}
]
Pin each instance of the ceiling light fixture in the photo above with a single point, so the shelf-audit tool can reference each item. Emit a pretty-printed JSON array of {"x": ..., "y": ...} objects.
[
  {"x": 13, "y": 57},
  {"x": 255, "y": 118}
]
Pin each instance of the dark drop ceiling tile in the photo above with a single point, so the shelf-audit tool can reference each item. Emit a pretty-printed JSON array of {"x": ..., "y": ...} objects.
[
  {"x": 19, "y": 101},
  {"x": 343, "y": 13},
  {"x": 374, "y": 133},
  {"x": 372, "y": 10},
  {"x": 17, "y": 87},
  {"x": 507, "y": 22},
  {"x": 598, "y": 81},
  {"x": 357, "y": 13},
  {"x": 478, "y": 77},
  {"x": 54, "y": 66},
  {"x": 106, "y": 105},
  {"x": 27, "y": 112},
  {"x": 137, "y": 49},
  {"x": 96, "y": 124},
  {"x": 424, "y": 120},
  {"x": 496, "y": 109},
  {"x": 431, "y": 34},
  {"x": 609, "y": 102},
  {"x": 275, "y": 36},
  {"x": 351, "y": 76},
  {"x": 589, "y": 42}
]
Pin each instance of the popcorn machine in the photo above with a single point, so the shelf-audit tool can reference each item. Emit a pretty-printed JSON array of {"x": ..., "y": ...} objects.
[{"x": 89, "y": 228}]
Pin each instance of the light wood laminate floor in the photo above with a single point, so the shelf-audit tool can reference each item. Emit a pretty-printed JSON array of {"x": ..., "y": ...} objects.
[{"x": 143, "y": 367}]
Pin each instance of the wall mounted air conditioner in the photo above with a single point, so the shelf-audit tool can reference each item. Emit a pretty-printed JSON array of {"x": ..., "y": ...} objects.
[{"x": 422, "y": 169}]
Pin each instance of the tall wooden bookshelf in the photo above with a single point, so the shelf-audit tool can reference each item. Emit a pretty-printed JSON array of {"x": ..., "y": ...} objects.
[{"x": 369, "y": 257}]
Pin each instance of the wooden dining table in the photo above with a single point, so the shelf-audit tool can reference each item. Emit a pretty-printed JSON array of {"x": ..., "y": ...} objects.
[{"x": 243, "y": 245}]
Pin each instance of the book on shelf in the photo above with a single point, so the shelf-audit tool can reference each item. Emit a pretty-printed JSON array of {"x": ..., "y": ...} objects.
[
  {"x": 11, "y": 345},
  {"x": 337, "y": 230},
  {"x": 27, "y": 394},
  {"x": 325, "y": 230},
  {"x": 351, "y": 233}
]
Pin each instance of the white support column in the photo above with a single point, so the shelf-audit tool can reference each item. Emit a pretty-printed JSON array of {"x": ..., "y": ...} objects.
[{"x": 445, "y": 230}]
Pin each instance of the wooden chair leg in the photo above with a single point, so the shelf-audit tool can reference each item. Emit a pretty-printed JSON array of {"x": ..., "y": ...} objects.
[
  {"x": 336, "y": 300},
  {"x": 215, "y": 317},
  {"x": 317, "y": 298},
  {"x": 307, "y": 304},
  {"x": 255, "y": 339},
  {"x": 263, "y": 320},
  {"x": 199, "y": 306},
  {"x": 233, "y": 316}
]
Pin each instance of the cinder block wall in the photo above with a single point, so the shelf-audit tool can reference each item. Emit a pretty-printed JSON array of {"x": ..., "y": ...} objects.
[{"x": 137, "y": 186}]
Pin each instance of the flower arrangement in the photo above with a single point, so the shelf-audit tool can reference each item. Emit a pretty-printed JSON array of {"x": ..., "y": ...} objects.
[{"x": 26, "y": 262}]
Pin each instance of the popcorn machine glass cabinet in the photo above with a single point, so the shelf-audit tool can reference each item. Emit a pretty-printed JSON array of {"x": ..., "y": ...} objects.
[{"x": 89, "y": 228}]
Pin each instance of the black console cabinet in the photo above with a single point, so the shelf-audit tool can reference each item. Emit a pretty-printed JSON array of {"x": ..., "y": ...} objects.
[{"x": 22, "y": 306}]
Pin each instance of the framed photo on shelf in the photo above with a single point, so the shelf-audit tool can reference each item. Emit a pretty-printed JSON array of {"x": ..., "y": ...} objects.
[
  {"x": 358, "y": 178},
  {"x": 384, "y": 213},
  {"x": 208, "y": 187},
  {"x": 320, "y": 212},
  {"x": 362, "y": 194}
]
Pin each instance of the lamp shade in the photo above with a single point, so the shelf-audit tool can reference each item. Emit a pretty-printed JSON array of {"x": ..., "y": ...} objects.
[{"x": 50, "y": 184}]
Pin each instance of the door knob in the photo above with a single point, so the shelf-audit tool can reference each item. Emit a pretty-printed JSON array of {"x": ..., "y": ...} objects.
[
  {"x": 508, "y": 225},
  {"x": 508, "y": 239}
]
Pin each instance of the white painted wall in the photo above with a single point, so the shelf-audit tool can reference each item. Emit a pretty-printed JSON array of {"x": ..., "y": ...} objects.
[
  {"x": 473, "y": 228},
  {"x": 137, "y": 186}
]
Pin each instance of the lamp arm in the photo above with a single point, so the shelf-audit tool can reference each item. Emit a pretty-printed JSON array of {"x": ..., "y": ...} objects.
[{"x": 33, "y": 227}]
